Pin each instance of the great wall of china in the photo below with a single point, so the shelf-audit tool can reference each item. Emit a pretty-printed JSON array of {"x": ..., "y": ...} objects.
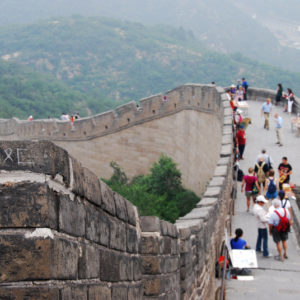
[{"x": 65, "y": 235}]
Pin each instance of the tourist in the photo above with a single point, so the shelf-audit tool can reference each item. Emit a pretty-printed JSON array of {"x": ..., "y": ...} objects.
[
  {"x": 266, "y": 111},
  {"x": 238, "y": 119},
  {"x": 285, "y": 203},
  {"x": 262, "y": 224},
  {"x": 261, "y": 170},
  {"x": 239, "y": 94},
  {"x": 245, "y": 87},
  {"x": 290, "y": 100},
  {"x": 279, "y": 227},
  {"x": 284, "y": 171},
  {"x": 238, "y": 84},
  {"x": 267, "y": 158},
  {"x": 241, "y": 141},
  {"x": 64, "y": 117},
  {"x": 279, "y": 93},
  {"x": 250, "y": 182},
  {"x": 271, "y": 186},
  {"x": 278, "y": 126},
  {"x": 237, "y": 242},
  {"x": 30, "y": 118}
]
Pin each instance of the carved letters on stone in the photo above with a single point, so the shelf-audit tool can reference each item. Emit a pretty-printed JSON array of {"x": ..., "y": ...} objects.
[{"x": 18, "y": 155}]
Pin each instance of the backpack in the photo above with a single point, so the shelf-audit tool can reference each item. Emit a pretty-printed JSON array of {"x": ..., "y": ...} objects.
[
  {"x": 284, "y": 224},
  {"x": 272, "y": 187},
  {"x": 261, "y": 176},
  {"x": 240, "y": 175}
]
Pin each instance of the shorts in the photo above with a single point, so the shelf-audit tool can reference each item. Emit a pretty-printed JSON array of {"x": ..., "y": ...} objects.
[
  {"x": 279, "y": 236},
  {"x": 248, "y": 193},
  {"x": 271, "y": 196}
]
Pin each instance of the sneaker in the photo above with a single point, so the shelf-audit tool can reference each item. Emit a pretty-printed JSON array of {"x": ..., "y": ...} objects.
[{"x": 268, "y": 256}]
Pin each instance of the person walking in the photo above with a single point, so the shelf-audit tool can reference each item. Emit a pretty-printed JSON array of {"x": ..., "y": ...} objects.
[
  {"x": 249, "y": 181},
  {"x": 245, "y": 87},
  {"x": 284, "y": 171},
  {"x": 278, "y": 93},
  {"x": 285, "y": 203},
  {"x": 266, "y": 111},
  {"x": 267, "y": 158},
  {"x": 278, "y": 126},
  {"x": 262, "y": 224},
  {"x": 241, "y": 141},
  {"x": 271, "y": 186},
  {"x": 279, "y": 228},
  {"x": 261, "y": 170},
  {"x": 290, "y": 100}
]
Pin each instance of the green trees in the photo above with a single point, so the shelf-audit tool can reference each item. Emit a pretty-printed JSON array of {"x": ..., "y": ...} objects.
[{"x": 159, "y": 193}]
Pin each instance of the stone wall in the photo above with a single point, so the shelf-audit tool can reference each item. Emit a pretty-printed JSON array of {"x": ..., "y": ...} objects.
[
  {"x": 187, "y": 127},
  {"x": 65, "y": 235}
]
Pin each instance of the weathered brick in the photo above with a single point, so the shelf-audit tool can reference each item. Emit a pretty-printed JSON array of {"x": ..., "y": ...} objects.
[
  {"x": 110, "y": 265},
  {"x": 126, "y": 268},
  {"x": 97, "y": 225},
  {"x": 151, "y": 286},
  {"x": 137, "y": 268},
  {"x": 99, "y": 292},
  {"x": 132, "y": 240},
  {"x": 32, "y": 293},
  {"x": 131, "y": 212},
  {"x": 28, "y": 205},
  {"x": 121, "y": 208},
  {"x": 135, "y": 292},
  {"x": 89, "y": 262},
  {"x": 91, "y": 187},
  {"x": 71, "y": 216},
  {"x": 108, "y": 201},
  {"x": 150, "y": 224},
  {"x": 119, "y": 292},
  {"x": 149, "y": 244},
  {"x": 37, "y": 258},
  {"x": 78, "y": 292},
  {"x": 117, "y": 234},
  {"x": 151, "y": 265}
]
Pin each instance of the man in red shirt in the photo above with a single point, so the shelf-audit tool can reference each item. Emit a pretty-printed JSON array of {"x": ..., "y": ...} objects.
[{"x": 241, "y": 140}]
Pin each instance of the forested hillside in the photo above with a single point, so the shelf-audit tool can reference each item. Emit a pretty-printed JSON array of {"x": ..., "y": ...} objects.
[{"x": 263, "y": 30}]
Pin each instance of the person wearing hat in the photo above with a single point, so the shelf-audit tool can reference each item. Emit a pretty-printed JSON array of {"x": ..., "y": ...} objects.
[
  {"x": 241, "y": 140},
  {"x": 238, "y": 118},
  {"x": 262, "y": 224},
  {"x": 266, "y": 111}
]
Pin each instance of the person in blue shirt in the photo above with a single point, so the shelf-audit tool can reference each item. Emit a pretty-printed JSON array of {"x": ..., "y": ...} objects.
[
  {"x": 278, "y": 126},
  {"x": 237, "y": 242},
  {"x": 245, "y": 86},
  {"x": 266, "y": 110}
]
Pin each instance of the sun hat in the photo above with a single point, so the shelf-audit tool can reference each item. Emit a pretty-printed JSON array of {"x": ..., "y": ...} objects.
[{"x": 261, "y": 198}]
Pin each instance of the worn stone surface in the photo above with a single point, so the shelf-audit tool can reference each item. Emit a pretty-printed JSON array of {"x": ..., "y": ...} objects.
[
  {"x": 121, "y": 207},
  {"x": 117, "y": 234},
  {"x": 149, "y": 244},
  {"x": 108, "y": 201},
  {"x": 89, "y": 262},
  {"x": 99, "y": 292},
  {"x": 110, "y": 266},
  {"x": 71, "y": 216},
  {"x": 150, "y": 224},
  {"x": 135, "y": 292},
  {"x": 32, "y": 293},
  {"x": 119, "y": 292},
  {"x": 39, "y": 157},
  {"x": 207, "y": 202},
  {"x": 27, "y": 205},
  {"x": 74, "y": 292},
  {"x": 132, "y": 239}
]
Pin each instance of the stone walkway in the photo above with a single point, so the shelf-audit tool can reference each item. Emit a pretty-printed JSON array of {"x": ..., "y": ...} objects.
[{"x": 272, "y": 280}]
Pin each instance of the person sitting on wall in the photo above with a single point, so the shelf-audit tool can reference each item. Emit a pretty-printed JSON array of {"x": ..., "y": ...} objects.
[{"x": 237, "y": 242}]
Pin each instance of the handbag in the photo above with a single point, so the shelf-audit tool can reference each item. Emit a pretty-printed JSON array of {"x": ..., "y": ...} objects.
[{"x": 254, "y": 189}]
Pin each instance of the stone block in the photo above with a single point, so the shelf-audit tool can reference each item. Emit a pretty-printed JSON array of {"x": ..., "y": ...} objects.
[
  {"x": 221, "y": 171},
  {"x": 126, "y": 268},
  {"x": 119, "y": 292},
  {"x": 32, "y": 293},
  {"x": 224, "y": 161},
  {"x": 132, "y": 240},
  {"x": 110, "y": 265},
  {"x": 226, "y": 150},
  {"x": 151, "y": 286},
  {"x": 207, "y": 202},
  {"x": 131, "y": 212},
  {"x": 151, "y": 265},
  {"x": 89, "y": 262},
  {"x": 197, "y": 213},
  {"x": 117, "y": 234},
  {"x": 121, "y": 208},
  {"x": 135, "y": 292},
  {"x": 227, "y": 139},
  {"x": 71, "y": 216},
  {"x": 99, "y": 292},
  {"x": 97, "y": 225},
  {"x": 212, "y": 192},
  {"x": 217, "y": 181},
  {"x": 39, "y": 258},
  {"x": 150, "y": 224},
  {"x": 164, "y": 227},
  {"x": 172, "y": 230},
  {"x": 149, "y": 244},
  {"x": 108, "y": 200},
  {"x": 78, "y": 292},
  {"x": 166, "y": 245},
  {"x": 38, "y": 157},
  {"x": 91, "y": 187},
  {"x": 227, "y": 129},
  {"x": 27, "y": 205},
  {"x": 137, "y": 267}
]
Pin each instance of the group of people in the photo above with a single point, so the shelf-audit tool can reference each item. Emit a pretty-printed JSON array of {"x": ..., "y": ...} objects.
[
  {"x": 288, "y": 98},
  {"x": 271, "y": 205},
  {"x": 66, "y": 117},
  {"x": 238, "y": 92}
]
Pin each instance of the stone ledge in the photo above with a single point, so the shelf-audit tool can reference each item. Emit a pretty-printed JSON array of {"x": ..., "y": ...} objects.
[
  {"x": 207, "y": 202},
  {"x": 216, "y": 181},
  {"x": 212, "y": 192}
]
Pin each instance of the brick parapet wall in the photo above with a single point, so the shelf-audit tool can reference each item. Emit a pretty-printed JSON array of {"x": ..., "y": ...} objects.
[{"x": 93, "y": 245}]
